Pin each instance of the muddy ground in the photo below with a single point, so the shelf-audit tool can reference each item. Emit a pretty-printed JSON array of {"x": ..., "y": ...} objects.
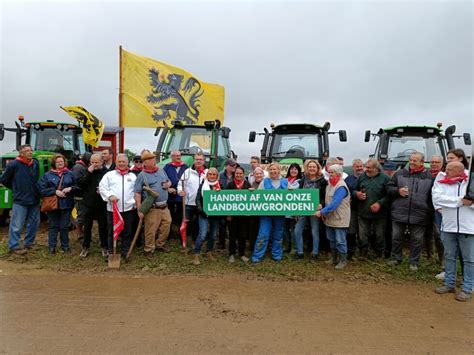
[
  {"x": 61, "y": 304},
  {"x": 46, "y": 312}
]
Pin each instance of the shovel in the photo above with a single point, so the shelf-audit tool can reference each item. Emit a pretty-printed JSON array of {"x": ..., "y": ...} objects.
[
  {"x": 114, "y": 259},
  {"x": 137, "y": 233}
]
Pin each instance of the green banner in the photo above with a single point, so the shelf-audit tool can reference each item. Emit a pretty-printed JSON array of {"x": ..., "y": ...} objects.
[{"x": 300, "y": 202}]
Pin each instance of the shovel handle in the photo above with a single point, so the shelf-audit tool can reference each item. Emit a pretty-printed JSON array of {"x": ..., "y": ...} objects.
[{"x": 135, "y": 237}]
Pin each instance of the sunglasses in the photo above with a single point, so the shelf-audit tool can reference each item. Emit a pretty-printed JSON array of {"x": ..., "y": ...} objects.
[{"x": 137, "y": 161}]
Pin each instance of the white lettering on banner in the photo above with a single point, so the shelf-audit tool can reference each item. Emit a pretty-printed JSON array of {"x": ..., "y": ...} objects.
[
  {"x": 227, "y": 198},
  {"x": 249, "y": 207}
]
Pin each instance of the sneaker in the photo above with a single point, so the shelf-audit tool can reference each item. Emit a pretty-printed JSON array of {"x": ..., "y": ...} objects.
[
  {"x": 463, "y": 296},
  {"x": 105, "y": 252},
  {"x": 244, "y": 259},
  {"x": 393, "y": 262},
  {"x": 232, "y": 259},
  {"x": 444, "y": 289},
  {"x": 19, "y": 251},
  {"x": 196, "y": 260},
  {"x": 440, "y": 276},
  {"x": 66, "y": 251},
  {"x": 84, "y": 252},
  {"x": 414, "y": 268}
]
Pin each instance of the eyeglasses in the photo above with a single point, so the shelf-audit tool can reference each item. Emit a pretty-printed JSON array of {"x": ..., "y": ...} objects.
[{"x": 137, "y": 161}]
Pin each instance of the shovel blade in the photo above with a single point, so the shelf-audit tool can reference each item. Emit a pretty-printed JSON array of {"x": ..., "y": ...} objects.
[{"x": 114, "y": 261}]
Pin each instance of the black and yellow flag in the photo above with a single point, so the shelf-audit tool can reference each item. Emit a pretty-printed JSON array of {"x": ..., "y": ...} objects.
[
  {"x": 153, "y": 94},
  {"x": 92, "y": 127}
]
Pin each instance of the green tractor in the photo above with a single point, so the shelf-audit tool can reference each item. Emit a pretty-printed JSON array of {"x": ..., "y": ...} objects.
[
  {"x": 210, "y": 139},
  {"x": 46, "y": 138},
  {"x": 397, "y": 143},
  {"x": 295, "y": 142}
]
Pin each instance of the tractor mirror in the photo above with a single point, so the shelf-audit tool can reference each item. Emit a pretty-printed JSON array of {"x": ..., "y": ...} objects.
[
  {"x": 2, "y": 131},
  {"x": 466, "y": 137},
  {"x": 367, "y": 136},
  {"x": 225, "y": 132},
  {"x": 342, "y": 135},
  {"x": 252, "y": 136}
]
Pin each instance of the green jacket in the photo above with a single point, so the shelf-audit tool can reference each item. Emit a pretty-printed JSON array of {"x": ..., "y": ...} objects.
[{"x": 374, "y": 187}]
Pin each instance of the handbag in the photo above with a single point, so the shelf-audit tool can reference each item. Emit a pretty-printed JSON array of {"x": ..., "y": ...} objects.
[{"x": 51, "y": 203}]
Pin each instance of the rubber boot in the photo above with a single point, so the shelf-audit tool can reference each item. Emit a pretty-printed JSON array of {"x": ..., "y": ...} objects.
[
  {"x": 342, "y": 262},
  {"x": 333, "y": 260}
]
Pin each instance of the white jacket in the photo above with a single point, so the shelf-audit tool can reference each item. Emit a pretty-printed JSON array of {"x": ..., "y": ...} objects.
[
  {"x": 114, "y": 184},
  {"x": 192, "y": 181},
  {"x": 457, "y": 218}
]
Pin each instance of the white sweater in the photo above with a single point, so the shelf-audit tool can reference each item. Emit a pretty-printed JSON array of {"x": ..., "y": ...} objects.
[
  {"x": 192, "y": 181},
  {"x": 457, "y": 218},
  {"x": 114, "y": 184}
]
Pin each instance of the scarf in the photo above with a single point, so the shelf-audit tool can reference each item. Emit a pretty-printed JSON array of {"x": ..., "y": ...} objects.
[
  {"x": 135, "y": 169},
  {"x": 292, "y": 179},
  {"x": 454, "y": 180},
  {"x": 334, "y": 180},
  {"x": 177, "y": 164},
  {"x": 150, "y": 171},
  {"x": 80, "y": 162},
  {"x": 434, "y": 173},
  {"x": 123, "y": 172},
  {"x": 239, "y": 185},
  {"x": 416, "y": 171},
  {"x": 200, "y": 171},
  {"x": 208, "y": 185},
  {"x": 24, "y": 161},
  {"x": 60, "y": 171}
]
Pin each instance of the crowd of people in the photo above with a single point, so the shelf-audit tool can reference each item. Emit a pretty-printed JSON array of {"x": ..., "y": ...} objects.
[{"x": 367, "y": 214}]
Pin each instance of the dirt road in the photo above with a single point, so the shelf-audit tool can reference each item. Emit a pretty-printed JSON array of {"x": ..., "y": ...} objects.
[{"x": 63, "y": 313}]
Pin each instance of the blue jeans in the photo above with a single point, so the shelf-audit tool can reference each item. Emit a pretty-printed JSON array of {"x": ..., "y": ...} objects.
[
  {"x": 206, "y": 224},
  {"x": 453, "y": 243},
  {"x": 269, "y": 226},
  {"x": 20, "y": 215},
  {"x": 58, "y": 222},
  {"x": 299, "y": 228},
  {"x": 337, "y": 239}
]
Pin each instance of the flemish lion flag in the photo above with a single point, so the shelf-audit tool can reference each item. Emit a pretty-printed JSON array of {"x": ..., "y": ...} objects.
[
  {"x": 92, "y": 127},
  {"x": 153, "y": 94}
]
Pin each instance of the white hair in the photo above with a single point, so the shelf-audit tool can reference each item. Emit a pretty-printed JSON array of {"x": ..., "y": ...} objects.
[{"x": 336, "y": 168}]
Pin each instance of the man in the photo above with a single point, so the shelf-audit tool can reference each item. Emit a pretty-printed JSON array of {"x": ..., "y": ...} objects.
[
  {"x": 225, "y": 177},
  {"x": 137, "y": 165},
  {"x": 329, "y": 162},
  {"x": 410, "y": 191},
  {"x": 370, "y": 193},
  {"x": 117, "y": 187},
  {"x": 389, "y": 169},
  {"x": 254, "y": 164},
  {"x": 351, "y": 182},
  {"x": 93, "y": 207},
  {"x": 175, "y": 170},
  {"x": 340, "y": 161},
  {"x": 158, "y": 219},
  {"x": 108, "y": 158},
  {"x": 457, "y": 229},
  {"x": 192, "y": 179},
  {"x": 432, "y": 234},
  {"x": 79, "y": 170},
  {"x": 21, "y": 175}
]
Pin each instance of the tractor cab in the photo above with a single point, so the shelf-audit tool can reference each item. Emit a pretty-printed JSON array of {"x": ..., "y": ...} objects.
[
  {"x": 210, "y": 139},
  {"x": 396, "y": 144}
]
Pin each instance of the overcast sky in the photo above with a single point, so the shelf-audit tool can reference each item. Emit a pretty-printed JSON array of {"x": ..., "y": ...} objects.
[{"x": 359, "y": 65}]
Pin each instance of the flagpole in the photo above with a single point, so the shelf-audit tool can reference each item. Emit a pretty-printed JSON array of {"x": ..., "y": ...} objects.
[{"x": 120, "y": 88}]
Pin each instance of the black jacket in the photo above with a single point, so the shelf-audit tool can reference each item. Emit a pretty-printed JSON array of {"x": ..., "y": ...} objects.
[
  {"x": 319, "y": 183},
  {"x": 89, "y": 184},
  {"x": 417, "y": 207}
]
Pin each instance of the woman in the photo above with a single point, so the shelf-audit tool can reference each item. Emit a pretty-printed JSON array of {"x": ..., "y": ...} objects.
[
  {"x": 238, "y": 225},
  {"x": 270, "y": 224},
  {"x": 59, "y": 181},
  {"x": 337, "y": 215},
  {"x": 458, "y": 154},
  {"x": 254, "y": 221},
  {"x": 294, "y": 177},
  {"x": 206, "y": 223},
  {"x": 313, "y": 179}
]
